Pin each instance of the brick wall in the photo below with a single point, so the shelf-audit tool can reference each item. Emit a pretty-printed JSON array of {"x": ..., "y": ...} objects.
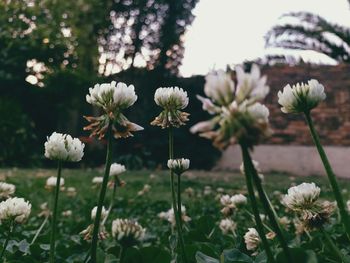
[{"x": 332, "y": 117}]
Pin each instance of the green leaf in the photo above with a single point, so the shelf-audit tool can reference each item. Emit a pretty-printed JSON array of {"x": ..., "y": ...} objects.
[
  {"x": 235, "y": 256},
  {"x": 132, "y": 255},
  {"x": 299, "y": 255},
  {"x": 202, "y": 258},
  {"x": 155, "y": 255}
]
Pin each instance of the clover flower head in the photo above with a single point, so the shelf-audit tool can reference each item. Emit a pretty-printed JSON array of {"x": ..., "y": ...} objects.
[
  {"x": 252, "y": 239},
  {"x": 237, "y": 114},
  {"x": 16, "y": 209},
  {"x": 116, "y": 169},
  {"x": 52, "y": 181},
  {"x": 227, "y": 226},
  {"x": 6, "y": 190},
  {"x": 112, "y": 96},
  {"x": 302, "y": 196},
  {"x": 170, "y": 216},
  {"x": 64, "y": 147},
  {"x": 127, "y": 232},
  {"x": 172, "y": 100},
  {"x": 104, "y": 213},
  {"x": 238, "y": 200},
  {"x": 301, "y": 97},
  {"x": 179, "y": 166},
  {"x": 97, "y": 180}
]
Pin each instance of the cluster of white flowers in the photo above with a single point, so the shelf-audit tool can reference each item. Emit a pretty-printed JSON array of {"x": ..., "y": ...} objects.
[
  {"x": 16, "y": 209},
  {"x": 126, "y": 230},
  {"x": 97, "y": 180},
  {"x": 303, "y": 199},
  {"x": 6, "y": 190},
  {"x": 179, "y": 166},
  {"x": 302, "y": 196},
  {"x": 146, "y": 188},
  {"x": 232, "y": 202},
  {"x": 64, "y": 148},
  {"x": 52, "y": 181},
  {"x": 172, "y": 100},
  {"x": 112, "y": 96},
  {"x": 94, "y": 211},
  {"x": 116, "y": 169},
  {"x": 71, "y": 191},
  {"x": 236, "y": 110},
  {"x": 227, "y": 226},
  {"x": 170, "y": 217},
  {"x": 301, "y": 97},
  {"x": 252, "y": 239}
]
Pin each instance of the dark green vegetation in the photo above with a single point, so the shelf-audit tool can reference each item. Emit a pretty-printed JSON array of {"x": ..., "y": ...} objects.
[{"x": 201, "y": 233}]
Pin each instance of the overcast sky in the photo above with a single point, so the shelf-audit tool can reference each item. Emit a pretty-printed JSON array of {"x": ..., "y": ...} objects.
[{"x": 230, "y": 31}]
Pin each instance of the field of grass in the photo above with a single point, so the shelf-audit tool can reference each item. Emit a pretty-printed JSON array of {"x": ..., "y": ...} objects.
[{"x": 203, "y": 208}]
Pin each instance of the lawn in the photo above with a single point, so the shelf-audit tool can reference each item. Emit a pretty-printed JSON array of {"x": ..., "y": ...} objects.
[{"x": 203, "y": 207}]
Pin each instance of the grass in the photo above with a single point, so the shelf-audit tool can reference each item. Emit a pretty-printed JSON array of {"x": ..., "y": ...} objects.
[{"x": 30, "y": 184}]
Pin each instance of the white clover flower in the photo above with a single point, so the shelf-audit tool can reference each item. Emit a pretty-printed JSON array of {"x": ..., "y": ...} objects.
[
  {"x": 259, "y": 112},
  {"x": 172, "y": 98},
  {"x": 146, "y": 188},
  {"x": 67, "y": 213},
  {"x": 302, "y": 196},
  {"x": 220, "y": 87},
  {"x": 63, "y": 147},
  {"x": 225, "y": 200},
  {"x": 128, "y": 231},
  {"x": 179, "y": 166},
  {"x": 52, "y": 181},
  {"x": 207, "y": 190},
  {"x": 16, "y": 209},
  {"x": 250, "y": 85},
  {"x": 103, "y": 213},
  {"x": 238, "y": 200},
  {"x": 97, "y": 180},
  {"x": 170, "y": 216},
  {"x": 71, "y": 191},
  {"x": 6, "y": 190},
  {"x": 116, "y": 169},
  {"x": 301, "y": 97},
  {"x": 252, "y": 239},
  {"x": 227, "y": 226},
  {"x": 112, "y": 96}
]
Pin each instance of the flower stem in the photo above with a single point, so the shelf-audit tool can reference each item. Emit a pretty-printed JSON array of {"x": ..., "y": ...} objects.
[
  {"x": 39, "y": 229},
  {"x": 176, "y": 214},
  {"x": 250, "y": 169},
  {"x": 121, "y": 254},
  {"x": 331, "y": 176},
  {"x": 112, "y": 201},
  {"x": 179, "y": 199},
  {"x": 54, "y": 213},
  {"x": 101, "y": 199},
  {"x": 7, "y": 239},
  {"x": 332, "y": 246},
  {"x": 259, "y": 225}
]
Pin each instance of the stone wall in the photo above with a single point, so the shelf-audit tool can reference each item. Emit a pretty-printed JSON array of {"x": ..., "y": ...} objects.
[{"x": 291, "y": 149}]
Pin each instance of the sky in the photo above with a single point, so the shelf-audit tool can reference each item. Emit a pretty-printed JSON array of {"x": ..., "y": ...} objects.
[{"x": 231, "y": 31}]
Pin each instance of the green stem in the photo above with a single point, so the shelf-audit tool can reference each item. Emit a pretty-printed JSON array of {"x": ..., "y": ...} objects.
[
  {"x": 176, "y": 214},
  {"x": 54, "y": 214},
  {"x": 112, "y": 201},
  {"x": 121, "y": 254},
  {"x": 249, "y": 168},
  {"x": 259, "y": 225},
  {"x": 7, "y": 239},
  {"x": 103, "y": 190},
  {"x": 331, "y": 176},
  {"x": 333, "y": 247},
  {"x": 179, "y": 203},
  {"x": 39, "y": 229}
]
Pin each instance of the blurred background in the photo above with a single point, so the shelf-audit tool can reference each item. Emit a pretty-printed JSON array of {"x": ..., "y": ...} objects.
[{"x": 52, "y": 51}]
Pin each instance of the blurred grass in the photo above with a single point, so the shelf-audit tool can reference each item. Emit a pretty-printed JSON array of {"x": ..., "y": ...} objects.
[{"x": 30, "y": 183}]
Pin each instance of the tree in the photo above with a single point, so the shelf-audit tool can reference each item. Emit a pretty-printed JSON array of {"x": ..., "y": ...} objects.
[{"x": 312, "y": 32}]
